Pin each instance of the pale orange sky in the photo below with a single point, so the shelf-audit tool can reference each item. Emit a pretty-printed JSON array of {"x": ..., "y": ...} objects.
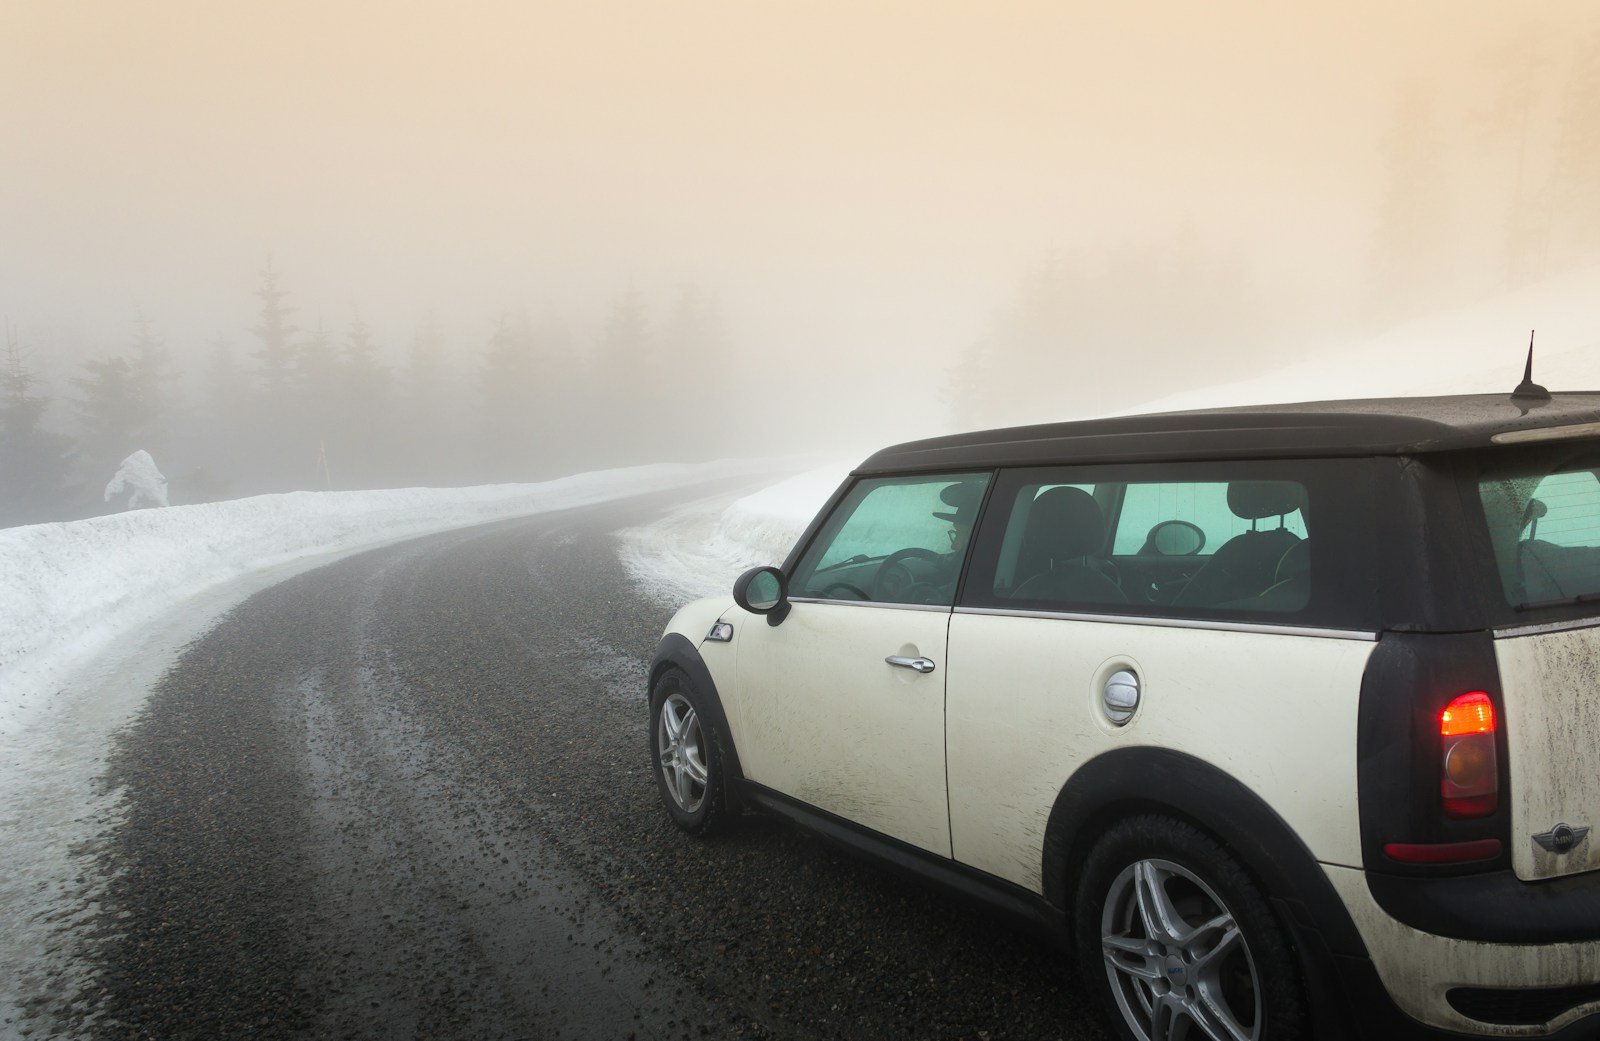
[{"x": 866, "y": 179}]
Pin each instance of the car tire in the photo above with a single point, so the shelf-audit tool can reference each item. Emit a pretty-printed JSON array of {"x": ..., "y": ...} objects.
[
  {"x": 686, "y": 750},
  {"x": 1215, "y": 955}
]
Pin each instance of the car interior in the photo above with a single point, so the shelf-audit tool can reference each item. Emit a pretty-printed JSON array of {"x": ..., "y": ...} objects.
[
  {"x": 1058, "y": 547},
  {"x": 1234, "y": 546}
]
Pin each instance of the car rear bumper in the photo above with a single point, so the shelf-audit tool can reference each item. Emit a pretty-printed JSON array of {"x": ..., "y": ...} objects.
[{"x": 1472, "y": 987}]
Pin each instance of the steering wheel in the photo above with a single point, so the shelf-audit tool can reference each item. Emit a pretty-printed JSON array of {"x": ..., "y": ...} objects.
[{"x": 894, "y": 582}]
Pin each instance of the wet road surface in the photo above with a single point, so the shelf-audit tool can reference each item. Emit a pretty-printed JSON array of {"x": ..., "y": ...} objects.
[{"x": 408, "y": 795}]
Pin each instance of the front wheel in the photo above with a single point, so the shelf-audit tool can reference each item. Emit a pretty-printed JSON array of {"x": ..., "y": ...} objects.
[
  {"x": 1185, "y": 941},
  {"x": 687, "y": 756}
]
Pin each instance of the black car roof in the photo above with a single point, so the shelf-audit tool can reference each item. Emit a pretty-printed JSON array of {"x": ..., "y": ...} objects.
[{"x": 1359, "y": 427}]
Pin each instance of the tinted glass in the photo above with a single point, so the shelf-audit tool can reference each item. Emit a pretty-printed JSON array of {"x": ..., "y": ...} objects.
[
  {"x": 1544, "y": 525},
  {"x": 1092, "y": 539},
  {"x": 1202, "y": 503},
  {"x": 894, "y": 540}
]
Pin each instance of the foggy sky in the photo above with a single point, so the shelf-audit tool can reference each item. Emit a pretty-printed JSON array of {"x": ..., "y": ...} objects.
[{"x": 860, "y": 184}]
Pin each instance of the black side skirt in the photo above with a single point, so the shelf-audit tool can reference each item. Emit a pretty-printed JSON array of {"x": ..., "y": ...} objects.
[{"x": 1026, "y": 907}]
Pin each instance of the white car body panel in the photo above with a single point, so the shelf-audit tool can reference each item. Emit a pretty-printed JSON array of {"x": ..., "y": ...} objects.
[
  {"x": 1417, "y": 968},
  {"x": 693, "y": 621},
  {"x": 1550, "y": 685},
  {"x": 827, "y": 721},
  {"x": 1276, "y": 712}
]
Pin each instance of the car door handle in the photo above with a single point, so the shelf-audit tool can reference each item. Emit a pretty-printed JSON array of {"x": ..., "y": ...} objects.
[{"x": 922, "y": 665}]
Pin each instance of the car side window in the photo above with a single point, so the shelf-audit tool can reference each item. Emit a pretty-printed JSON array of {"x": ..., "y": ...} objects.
[
  {"x": 893, "y": 540},
  {"x": 1201, "y": 503},
  {"x": 1059, "y": 541}
]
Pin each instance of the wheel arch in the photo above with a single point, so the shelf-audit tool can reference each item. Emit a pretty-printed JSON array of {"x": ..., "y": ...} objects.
[
  {"x": 1132, "y": 781},
  {"x": 676, "y": 652}
]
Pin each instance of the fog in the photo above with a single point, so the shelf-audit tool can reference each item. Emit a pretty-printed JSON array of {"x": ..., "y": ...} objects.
[{"x": 308, "y": 245}]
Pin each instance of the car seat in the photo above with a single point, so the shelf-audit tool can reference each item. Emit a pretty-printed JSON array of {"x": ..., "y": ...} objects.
[
  {"x": 1247, "y": 564},
  {"x": 1064, "y": 531}
]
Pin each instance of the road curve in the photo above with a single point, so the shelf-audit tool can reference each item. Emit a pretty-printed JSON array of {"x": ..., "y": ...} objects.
[{"x": 407, "y": 795}]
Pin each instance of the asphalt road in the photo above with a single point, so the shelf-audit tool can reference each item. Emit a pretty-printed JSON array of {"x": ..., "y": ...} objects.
[{"x": 408, "y": 795}]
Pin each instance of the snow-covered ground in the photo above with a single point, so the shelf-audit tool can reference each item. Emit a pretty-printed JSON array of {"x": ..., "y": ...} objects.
[
  {"x": 699, "y": 549},
  {"x": 69, "y": 591},
  {"x": 92, "y": 612}
]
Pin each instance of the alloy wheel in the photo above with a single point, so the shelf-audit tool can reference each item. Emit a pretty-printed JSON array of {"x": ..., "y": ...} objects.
[
  {"x": 1177, "y": 961},
  {"x": 680, "y": 742}
]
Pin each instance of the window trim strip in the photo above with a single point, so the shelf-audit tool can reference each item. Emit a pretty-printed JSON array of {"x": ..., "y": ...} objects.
[
  {"x": 942, "y": 608},
  {"x": 1179, "y": 623},
  {"x": 1534, "y": 628}
]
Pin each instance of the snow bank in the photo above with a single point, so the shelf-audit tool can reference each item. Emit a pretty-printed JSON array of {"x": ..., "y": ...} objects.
[
  {"x": 700, "y": 549},
  {"x": 1477, "y": 349},
  {"x": 68, "y": 591}
]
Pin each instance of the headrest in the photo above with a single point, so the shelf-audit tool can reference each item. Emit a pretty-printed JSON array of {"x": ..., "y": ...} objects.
[
  {"x": 1066, "y": 523},
  {"x": 1254, "y": 500},
  {"x": 1295, "y": 562}
]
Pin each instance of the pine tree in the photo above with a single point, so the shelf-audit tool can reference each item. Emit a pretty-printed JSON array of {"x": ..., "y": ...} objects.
[
  {"x": 111, "y": 419},
  {"x": 508, "y": 384},
  {"x": 423, "y": 428},
  {"x": 34, "y": 462},
  {"x": 317, "y": 453},
  {"x": 280, "y": 350},
  {"x": 623, "y": 385},
  {"x": 223, "y": 422},
  {"x": 363, "y": 423},
  {"x": 155, "y": 387}
]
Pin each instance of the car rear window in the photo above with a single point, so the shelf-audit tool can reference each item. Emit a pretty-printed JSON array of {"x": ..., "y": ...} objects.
[{"x": 1543, "y": 514}]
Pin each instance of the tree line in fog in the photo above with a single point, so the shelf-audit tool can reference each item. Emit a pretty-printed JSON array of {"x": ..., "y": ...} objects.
[{"x": 293, "y": 404}]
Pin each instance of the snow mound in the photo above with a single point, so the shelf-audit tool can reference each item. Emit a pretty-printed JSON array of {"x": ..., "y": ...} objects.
[
  {"x": 139, "y": 477},
  {"x": 1477, "y": 349},
  {"x": 698, "y": 550},
  {"x": 69, "y": 591}
]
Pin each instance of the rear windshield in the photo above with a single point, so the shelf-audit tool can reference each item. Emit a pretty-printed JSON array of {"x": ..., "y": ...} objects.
[{"x": 1543, "y": 513}]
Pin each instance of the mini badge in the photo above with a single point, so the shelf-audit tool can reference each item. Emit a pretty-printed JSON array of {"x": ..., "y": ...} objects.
[{"x": 1563, "y": 838}]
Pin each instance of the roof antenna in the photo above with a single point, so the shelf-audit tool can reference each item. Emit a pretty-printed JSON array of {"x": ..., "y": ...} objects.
[{"x": 1529, "y": 391}]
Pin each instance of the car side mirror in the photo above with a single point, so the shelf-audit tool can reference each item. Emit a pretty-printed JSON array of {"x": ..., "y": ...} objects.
[{"x": 763, "y": 590}]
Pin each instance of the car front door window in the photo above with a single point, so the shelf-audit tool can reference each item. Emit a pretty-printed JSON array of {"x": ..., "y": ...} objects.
[{"x": 894, "y": 540}]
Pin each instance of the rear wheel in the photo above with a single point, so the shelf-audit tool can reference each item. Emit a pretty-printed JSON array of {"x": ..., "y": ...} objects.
[
  {"x": 1184, "y": 941},
  {"x": 685, "y": 748}
]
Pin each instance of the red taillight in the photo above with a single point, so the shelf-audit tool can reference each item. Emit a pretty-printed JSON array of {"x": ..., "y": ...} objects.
[
  {"x": 1469, "y": 714},
  {"x": 1469, "y": 772}
]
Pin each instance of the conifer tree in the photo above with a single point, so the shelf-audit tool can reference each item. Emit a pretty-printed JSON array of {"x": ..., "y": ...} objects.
[
  {"x": 34, "y": 462},
  {"x": 507, "y": 385},
  {"x": 111, "y": 418},
  {"x": 278, "y": 354},
  {"x": 423, "y": 427},
  {"x": 362, "y": 423},
  {"x": 154, "y": 386}
]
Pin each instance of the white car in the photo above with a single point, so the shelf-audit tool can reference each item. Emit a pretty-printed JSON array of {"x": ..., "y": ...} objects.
[{"x": 1287, "y": 719}]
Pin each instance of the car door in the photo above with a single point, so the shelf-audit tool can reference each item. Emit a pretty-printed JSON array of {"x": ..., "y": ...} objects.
[{"x": 842, "y": 703}]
